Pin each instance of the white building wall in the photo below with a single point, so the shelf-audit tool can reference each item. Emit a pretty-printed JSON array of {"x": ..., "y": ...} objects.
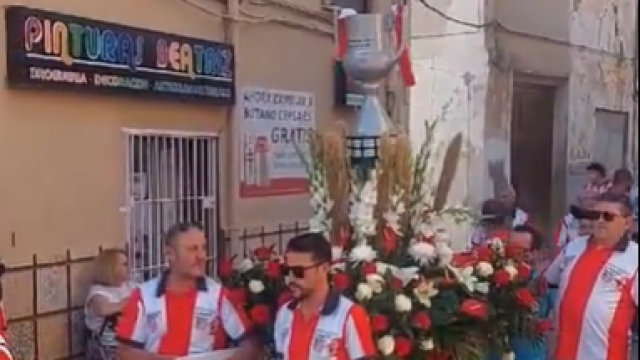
[{"x": 451, "y": 67}]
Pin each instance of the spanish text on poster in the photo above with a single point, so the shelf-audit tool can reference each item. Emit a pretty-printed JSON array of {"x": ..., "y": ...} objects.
[{"x": 275, "y": 125}]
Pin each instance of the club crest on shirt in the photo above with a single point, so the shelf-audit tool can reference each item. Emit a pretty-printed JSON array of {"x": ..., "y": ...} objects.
[
  {"x": 153, "y": 319},
  {"x": 613, "y": 274},
  {"x": 203, "y": 319},
  {"x": 326, "y": 344}
]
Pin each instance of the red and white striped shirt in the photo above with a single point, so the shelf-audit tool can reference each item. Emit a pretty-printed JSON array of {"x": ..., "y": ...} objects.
[
  {"x": 177, "y": 324},
  {"x": 597, "y": 300},
  {"x": 341, "y": 331},
  {"x": 5, "y": 354}
]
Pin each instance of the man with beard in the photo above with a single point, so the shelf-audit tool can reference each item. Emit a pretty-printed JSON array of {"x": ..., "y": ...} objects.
[
  {"x": 182, "y": 312},
  {"x": 319, "y": 323}
]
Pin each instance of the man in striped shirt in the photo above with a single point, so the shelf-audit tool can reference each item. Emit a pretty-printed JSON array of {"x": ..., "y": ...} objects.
[
  {"x": 182, "y": 312},
  {"x": 597, "y": 281}
]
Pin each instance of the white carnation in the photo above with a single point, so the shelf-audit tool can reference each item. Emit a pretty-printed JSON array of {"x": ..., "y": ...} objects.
[
  {"x": 422, "y": 252},
  {"x": 496, "y": 245},
  {"x": 482, "y": 287},
  {"x": 427, "y": 345},
  {"x": 444, "y": 252},
  {"x": 243, "y": 265},
  {"x": 484, "y": 269},
  {"x": 386, "y": 345},
  {"x": 402, "y": 303},
  {"x": 362, "y": 253},
  {"x": 256, "y": 286},
  {"x": 363, "y": 292},
  {"x": 513, "y": 272}
]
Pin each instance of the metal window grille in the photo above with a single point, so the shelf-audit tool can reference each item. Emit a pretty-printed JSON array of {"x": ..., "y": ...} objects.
[{"x": 170, "y": 177}]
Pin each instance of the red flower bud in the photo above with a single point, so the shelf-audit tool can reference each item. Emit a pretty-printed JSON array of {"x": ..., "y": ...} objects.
[
  {"x": 501, "y": 277},
  {"x": 260, "y": 315},
  {"x": 379, "y": 323},
  {"x": 474, "y": 308},
  {"x": 341, "y": 281},
  {"x": 403, "y": 346},
  {"x": 421, "y": 320}
]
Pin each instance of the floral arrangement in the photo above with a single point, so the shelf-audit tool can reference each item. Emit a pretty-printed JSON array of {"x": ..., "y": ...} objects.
[
  {"x": 392, "y": 255},
  {"x": 501, "y": 277}
]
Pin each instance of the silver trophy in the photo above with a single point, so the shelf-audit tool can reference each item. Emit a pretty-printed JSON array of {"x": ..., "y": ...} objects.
[{"x": 370, "y": 56}]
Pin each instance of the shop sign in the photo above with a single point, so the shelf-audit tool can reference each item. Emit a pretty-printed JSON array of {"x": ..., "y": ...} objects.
[
  {"x": 55, "y": 51},
  {"x": 275, "y": 125}
]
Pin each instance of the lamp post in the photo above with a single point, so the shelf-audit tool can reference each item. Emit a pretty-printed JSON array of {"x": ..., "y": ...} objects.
[{"x": 368, "y": 61}]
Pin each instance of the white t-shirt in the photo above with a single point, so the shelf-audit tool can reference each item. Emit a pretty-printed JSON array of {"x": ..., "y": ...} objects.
[{"x": 113, "y": 294}]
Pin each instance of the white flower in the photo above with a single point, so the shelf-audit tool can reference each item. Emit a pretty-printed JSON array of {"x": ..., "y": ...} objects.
[
  {"x": 509, "y": 356},
  {"x": 362, "y": 253},
  {"x": 424, "y": 292},
  {"x": 484, "y": 269},
  {"x": 496, "y": 245},
  {"x": 405, "y": 274},
  {"x": 482, "y": 287},
  {"x": 363, "y": 292},
  {"x": 422, "y": 252},
  {"x": 402, "y": 303},
  {"x": 243, "y": 265},
  {"x": 386, "y": 345},
  {"x": 256, "y": 286},
  {"x": 382, "y": 268},
  {"x": 376, "y": 282},
  {"x": 513, "y": 272},
  {"x": 466, "y": 278},
  {"x": 426, "y": 230},
  {"x": 427, "y": 345},
  {"x": 444, "y": 252}
]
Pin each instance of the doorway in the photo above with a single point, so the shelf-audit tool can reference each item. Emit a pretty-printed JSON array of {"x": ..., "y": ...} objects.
[
  {"x": 532, "y": 124},
  {"x": 170, "y": 178}
]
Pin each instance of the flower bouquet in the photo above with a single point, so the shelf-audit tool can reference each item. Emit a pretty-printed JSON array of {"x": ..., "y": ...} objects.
[
  {"x": 391, "y": 254},
  {"x": 501, "y": 279},
  {"x": 255, "y": 284}
]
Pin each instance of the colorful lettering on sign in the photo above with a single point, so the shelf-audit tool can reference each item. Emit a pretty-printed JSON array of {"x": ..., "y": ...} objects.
[{"x": 76, "y": 42}]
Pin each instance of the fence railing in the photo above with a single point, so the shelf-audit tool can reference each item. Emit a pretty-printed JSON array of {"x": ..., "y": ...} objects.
[{"x": 44, "y": 300}]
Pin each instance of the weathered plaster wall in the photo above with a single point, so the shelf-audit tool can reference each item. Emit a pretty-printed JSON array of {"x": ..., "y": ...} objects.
[
  {"x": 603, "y": 34},
  {"x": 450, "y": 63}
]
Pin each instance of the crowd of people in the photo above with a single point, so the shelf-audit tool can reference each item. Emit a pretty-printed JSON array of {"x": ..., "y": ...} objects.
[{"x": 591, "y": 280}]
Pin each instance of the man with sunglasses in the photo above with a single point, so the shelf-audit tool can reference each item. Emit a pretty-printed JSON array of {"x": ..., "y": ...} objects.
[
  {"x": 597, "y": 281},
  {"x": 319, "y": 323}
]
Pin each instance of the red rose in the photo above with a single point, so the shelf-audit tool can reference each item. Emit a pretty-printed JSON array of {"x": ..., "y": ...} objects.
[
  {"x": 341, "y": 281},
  {"x": 379, "y": 323},
  {"x": 389, "y": 240},
  {"x": 284, "y": 298},
  {"x": 501, "y": 277},
  {"x": 544, "y": 326},
  {"x": 225, "y": 267},
  {"x": 525, "y": 297},
  {"x": 260, "y": 315},
  {"x": 403, "y": 346},
  {"x": 273, "y": 269},
  {"x": 237, "y": 296},
  {"x": 421, "y": 320},
  {"x": 395, "y": 284},
  {"x": 369, "y": 269},
  {"x": 484, "y": 253},
  {"x": 474, "y": 308},
  {"x": 524, "y": 272},
  {"x": 263, "y": 253}
]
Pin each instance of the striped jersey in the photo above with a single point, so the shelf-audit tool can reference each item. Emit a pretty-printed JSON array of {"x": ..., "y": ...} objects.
[
  {"x": 5, "y": 354},
  {"x": 597, "y": 299},
  {"x": 341, "y": 331},
  {"x": 180, "y": 324}
]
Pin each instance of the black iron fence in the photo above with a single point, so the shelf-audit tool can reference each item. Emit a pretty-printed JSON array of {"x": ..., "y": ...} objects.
[{"x": 44, "y": 299}]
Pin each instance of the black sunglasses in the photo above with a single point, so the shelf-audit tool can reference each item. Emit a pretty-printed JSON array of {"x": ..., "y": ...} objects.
[
  {"x": 298, "y": 271},
  {"x": 604, "y": 215}
]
